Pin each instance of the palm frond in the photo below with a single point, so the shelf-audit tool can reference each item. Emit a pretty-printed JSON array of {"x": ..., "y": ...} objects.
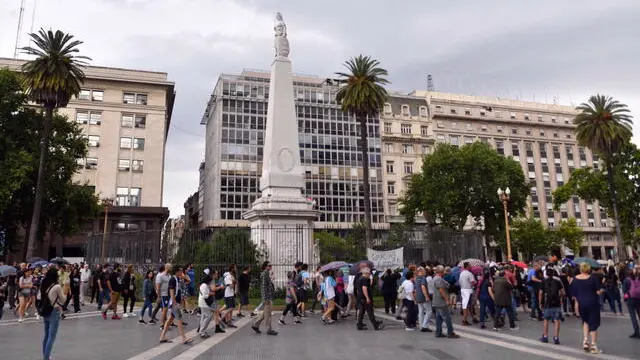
[{"x": 362, "y": 91}]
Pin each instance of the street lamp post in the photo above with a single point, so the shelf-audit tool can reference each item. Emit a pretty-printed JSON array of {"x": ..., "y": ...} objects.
[
  {"x": 107, "y": 203},
  {"x": 504, "y": 197}
]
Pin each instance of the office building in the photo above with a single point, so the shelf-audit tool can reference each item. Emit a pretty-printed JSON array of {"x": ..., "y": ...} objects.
[
  {"x": 235, "y": 123},
  {"x": 539, "y": 136},
  {"x": 125, "y": 116}
]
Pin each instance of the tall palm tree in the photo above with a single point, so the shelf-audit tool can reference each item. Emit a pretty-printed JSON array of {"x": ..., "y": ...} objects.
[
  {"x": 362, "y": 94},
  {"x": 604, "y": 125},
  {"x": 51, "y": 79}
]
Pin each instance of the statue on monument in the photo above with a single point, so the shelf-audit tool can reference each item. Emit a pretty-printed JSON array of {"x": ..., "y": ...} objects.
[{"x": 281, "y": 42}]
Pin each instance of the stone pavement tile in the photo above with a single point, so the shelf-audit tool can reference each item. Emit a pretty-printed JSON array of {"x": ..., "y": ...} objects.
[{"x": 311, "y": 340}]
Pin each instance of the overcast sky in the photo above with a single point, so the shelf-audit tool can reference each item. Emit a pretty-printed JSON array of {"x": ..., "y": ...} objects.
[{"x": 541, "y": 49}]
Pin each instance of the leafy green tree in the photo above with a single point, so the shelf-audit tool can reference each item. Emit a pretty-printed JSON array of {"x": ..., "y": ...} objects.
[
  {"x": 569, "y": 234},
  {"x": 531, "y": 238},
  {"x": 65, "y": 205},
  {"x": 363, "y": 95},
  {"x": 604, "y": 125},
  {"x": 591, "y": 184},
  {"x": 51, "y": 79},
  {"x": 219, "y": 248},
  {"x": 456, "y": 183},
  {"x": 335, "y": 248}
]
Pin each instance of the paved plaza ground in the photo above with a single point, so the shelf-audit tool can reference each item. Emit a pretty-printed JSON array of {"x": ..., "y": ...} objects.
[{"x": 86, "y": 336}]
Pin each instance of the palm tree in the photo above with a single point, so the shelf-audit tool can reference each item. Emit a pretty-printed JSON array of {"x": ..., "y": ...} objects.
[
  {"x": 604, "y": 125},
  {"x": 363, "y": 95},
  {"x": 51, "y": 79}
]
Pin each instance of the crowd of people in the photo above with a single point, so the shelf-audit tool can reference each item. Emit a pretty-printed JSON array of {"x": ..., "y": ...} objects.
[{"x": 425, "y": 296}]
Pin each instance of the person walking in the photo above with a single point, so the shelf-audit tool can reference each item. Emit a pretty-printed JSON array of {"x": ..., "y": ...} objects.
[
  {"x": 550, "y": 296},
  {"x": 423, "y": 300},
  {"x": 502, "y": 297},
  {"x": 128, "y": 291},
  {"x": 440, "y": 304},
  {"x": 366, "y": 300},
  {"x": 408, "y": 301},
  {"x": 631, "y": 290},
  {"x": 586, "y": 289},
  {"x": 390, "y": 290},
  {"x": 53, "y": 296},
  {"x": 175, "y": 294},
  {"x": 85, "y": 276},
  {"x": 113, "y": 286},
  {"x": 267, "y": 291},
  {"x": 149, "y": 295},
  {"x": 467, "y": 282}
]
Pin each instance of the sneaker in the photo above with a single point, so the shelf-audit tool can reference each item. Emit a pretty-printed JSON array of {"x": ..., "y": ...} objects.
[
  {"x": 441, "y": 336},
  {"x": 556, "y": 340},
  {"x": 125, "y": 315},
  {"x": 272, "y": 333},
  {"x": 298, "y": 321},
  {"x": 115, "y": 317},
  {"x": 634, "y": 336},
  {"x": 219, "y": 330},
  {"x": 515, "y": 328},
  {"x": 410, "y": 329},
  {"x": 240, "y": 315},
  {"x": 453, "y": 336},
  {"x": 152, "y": 321},
  {"x": 132, "y": 314},
  {"x": 255, "y": 328},
  {"x": 281, "y": 322},
  {"x": 483, "y": 326},
  {"x": 142, "y": 322},
  {"x": 37, "y": 316},
  {"x": 20, "y": 320},
  {"x": 232, "y": 325},
  {"x": 544, "y": 339},
  {"x": 426, "y": 330},
  {"x": 204, "y": 335}
]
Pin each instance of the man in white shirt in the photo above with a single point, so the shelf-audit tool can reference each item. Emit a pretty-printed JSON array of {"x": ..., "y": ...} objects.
[
  {"x": 85, "y": 276},
  {"x": 467, "y": 282},
  {"x": 408, "y": 287}
]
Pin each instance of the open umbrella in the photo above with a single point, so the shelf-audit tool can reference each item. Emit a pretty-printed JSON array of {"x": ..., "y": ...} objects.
[
  {"x": 41, "y": 263},
  {"x": 6, "y": 270},
  {"x": 59, "y": 261},
  {"x": 591, "y": 262},
  {"x": 544, "y": 258},
  {"x": 519, "y": 264},
  {"x": 34, "y": 259},
  {"x": 477, "y": 270},
  {"x": 472, "y": 262},
  {"x": 355, "y": 269},
  {"x": 333, "y": 265}
]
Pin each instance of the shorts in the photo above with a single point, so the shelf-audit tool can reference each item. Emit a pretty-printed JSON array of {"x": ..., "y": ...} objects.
[
  {"x": 554, "y": 313},
  {"x": 244, "y": 298},
  {"x": 25, "y": 293},
  {"x": 176, "y": 311},
  {"x": 303, "y": 295},
  {"x": 164, "y": 301},
  {"x": 230, "y": 302},
  {"x": 466, "y": 297}
]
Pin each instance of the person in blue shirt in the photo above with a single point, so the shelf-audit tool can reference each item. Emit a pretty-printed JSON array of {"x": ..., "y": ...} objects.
[{"x": 534, "y": 280}]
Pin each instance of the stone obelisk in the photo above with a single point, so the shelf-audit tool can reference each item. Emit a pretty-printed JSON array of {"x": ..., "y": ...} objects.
[{"x": 282, "y": 218}]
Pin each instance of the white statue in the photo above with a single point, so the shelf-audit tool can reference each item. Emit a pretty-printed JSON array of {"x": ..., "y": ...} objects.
[{"x": 281, "y": 42}]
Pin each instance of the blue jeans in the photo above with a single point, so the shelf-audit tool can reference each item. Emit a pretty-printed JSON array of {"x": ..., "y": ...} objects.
[
  {"x": 147, "y": 304},
  {"x": 442, "y": 314},
  {"x": 102, "y": 296},
  {"x": 51, "y": 324},
  {"x": 484, "y": 305},
  {"x": 633, "y": 306},
  {"x": 535, "y": 307}
]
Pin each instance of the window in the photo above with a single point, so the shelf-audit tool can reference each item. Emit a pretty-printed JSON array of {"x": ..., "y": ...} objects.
[
  {"x": 408, "y": 168},
  {"x": 125, "y": 142},
  {"x": 553, "y": 119},
  {"x": 568, "y": 136},
  {"x": 500, "y": 147},
  {"x": 440, "y": 138},
  {"x": 138, "y": 165},
  {"x": 512, "y": 115},
  {"x": 124, "y": 164},
  {"x": 454, "y": 125},
  {"x": 469, "y": 127},
  {"x": 566, "y": 121},
  {"x": 424, "y": 130},
  {"x": 405, "y": 110},
  {"x": 423, "y": 111},
  {"x": 390, "y": 167},
  {"x": 555, "y": 134},
  {"x": 407, "y": 149},
  {"x": 438, "y": 108},
  {"x": 526, "y": 117},
  {"x": 515, "y": 150},
  {"x": 467, "y": 111},
  {"x": 498, "y": 114},
  {"x": 528, "y": 131},
  {"x": 88, "y": 117},
  {"x": 426, "y": 149},
  {"x": 483, "y": 113},
  {"x": 82, "y": 117},
  {"x": 138, "y": 143},
  {"x": 514, "y": 131},
  {"x": 388, "y": 148},
  {"x": 540, "y": 119},
  {"x": 499, "y": 128},
  {"x": 387, "y": 127},
  {"x": 453, "y": 111},
  {"x": 391, "y": 187},
  {"x": 93, "y": 140},
  {"x": 127, "y": 120},
  {"x": 93, "y": 95},
  {"x": 128, "y": 196},
  {"x": 541, "y": 132},
  {"x": 387, "y": 109},
  {"x": 141, "y": 121},
  {"x": 91, "y": 163},
  {"x": 469, "y": 139},
  {"x": 454, "y": 140},
  {"x": 134, "y": 98},
  {"x": 405, "y": 128},
  {"x": 484, "y": 127}
]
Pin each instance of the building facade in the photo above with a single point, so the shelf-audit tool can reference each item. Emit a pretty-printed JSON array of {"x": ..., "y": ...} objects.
[
  {"x": 235, "y": 122},
  {"x": 539, "y": 136},
  {"x": 125, "y": 116}
]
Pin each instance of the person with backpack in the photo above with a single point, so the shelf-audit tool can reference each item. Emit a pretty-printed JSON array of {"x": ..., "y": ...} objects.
[
  {"x": 631, "y": 290},
  {"x": 53, "y": 296},
  {"x": 550, "y": 296},
  {"x": 175, "y": 300},
  {"x": 149, "y": 295},
  {"x": 208, "y": 306}
]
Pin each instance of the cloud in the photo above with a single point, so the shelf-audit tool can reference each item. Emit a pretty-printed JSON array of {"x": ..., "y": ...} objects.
[{"x": 512, "y": 49}]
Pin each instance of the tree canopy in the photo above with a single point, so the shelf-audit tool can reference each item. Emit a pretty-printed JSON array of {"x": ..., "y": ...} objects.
[
  {"x": 457, "y": 182},
  {"x": 569, "y": 234},
  {"x": 530, "y": 237}
]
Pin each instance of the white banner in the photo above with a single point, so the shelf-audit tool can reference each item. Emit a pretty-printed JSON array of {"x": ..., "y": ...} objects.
[{"x": 383, "y": 260}]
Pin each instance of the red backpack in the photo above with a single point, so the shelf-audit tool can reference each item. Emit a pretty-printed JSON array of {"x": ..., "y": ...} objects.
[{"x": 634, "y": 289}]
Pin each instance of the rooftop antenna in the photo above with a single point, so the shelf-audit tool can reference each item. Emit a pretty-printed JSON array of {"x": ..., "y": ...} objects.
[
  {"x": 33, "y": 20},
  {"x": 430, "y": 86},
  {"x": 20, "y": 16}
]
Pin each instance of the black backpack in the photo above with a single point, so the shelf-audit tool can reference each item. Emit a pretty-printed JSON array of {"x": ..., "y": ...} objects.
[
  {"x": 46, "y": 307},
  {"x": 552, "y": 292},
  {"x": 220, "y": 292}
]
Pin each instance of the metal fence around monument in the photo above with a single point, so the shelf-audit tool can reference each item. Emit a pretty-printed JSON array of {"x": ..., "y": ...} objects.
[{"x": 283, "y": 246}]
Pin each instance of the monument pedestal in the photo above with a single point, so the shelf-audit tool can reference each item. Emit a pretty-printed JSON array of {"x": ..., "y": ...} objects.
[{"x": 282, "y": 218}]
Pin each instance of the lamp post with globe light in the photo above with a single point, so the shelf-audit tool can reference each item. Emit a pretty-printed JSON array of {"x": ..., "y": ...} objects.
[
  {"x": 504, "y": 197},
  {"x": 106, "y": 202}
]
